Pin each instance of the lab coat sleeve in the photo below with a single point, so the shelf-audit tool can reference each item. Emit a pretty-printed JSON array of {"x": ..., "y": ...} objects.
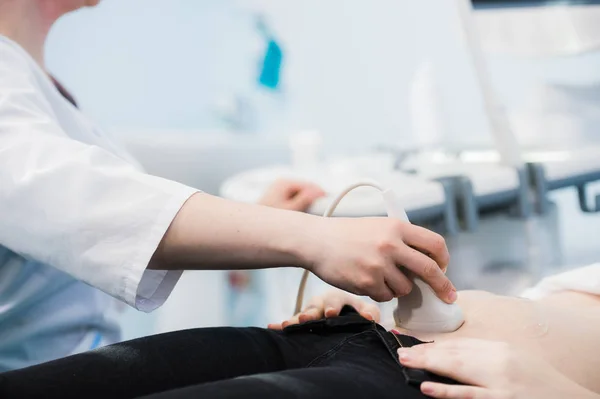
[{"x": 76, "y": 206}]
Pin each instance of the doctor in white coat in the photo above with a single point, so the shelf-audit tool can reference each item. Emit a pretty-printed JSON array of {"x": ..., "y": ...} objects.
[{"x": 77, "y": 212}]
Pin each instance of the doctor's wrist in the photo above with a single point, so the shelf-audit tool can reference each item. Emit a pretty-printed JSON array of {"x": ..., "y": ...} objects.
[{"x": 301, "y": 242}]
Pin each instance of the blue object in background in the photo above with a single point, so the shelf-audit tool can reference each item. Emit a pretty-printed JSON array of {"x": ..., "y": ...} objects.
[{"x": 270, "y": 68}]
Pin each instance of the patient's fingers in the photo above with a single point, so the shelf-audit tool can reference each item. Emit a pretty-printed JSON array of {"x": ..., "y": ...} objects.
[
  {"x": 369, "y": 311},
  {"x": 293, "y": 320},
  {"x": 288, "y": 322},
  {"x": 333, "y": 305},
  {"x": 314, "y": 310},
  {"x": 443, "y": 391},
  {"x": 275, "y": 326},
  {"x": 330, "y": 305},
  {"x": 316, "y": 302},
  {"x": 310, "y": 314},
  {"x": 450, "y": 363},
  {"x": 456, "y": 343}
]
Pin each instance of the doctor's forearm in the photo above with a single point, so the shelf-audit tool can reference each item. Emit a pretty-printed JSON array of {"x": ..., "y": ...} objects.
[{"x": 210, "y": 233}]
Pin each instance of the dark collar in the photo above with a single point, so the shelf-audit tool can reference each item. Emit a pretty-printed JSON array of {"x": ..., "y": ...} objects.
[{"x": 64, "y": 92}]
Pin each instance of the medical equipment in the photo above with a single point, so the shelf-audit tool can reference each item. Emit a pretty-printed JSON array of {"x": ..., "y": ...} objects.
[
  {"x": 426, "y": 108},
  {"x": 539, "y": 28},
  {"x": 504, "y": 138},
  {"x": 568, "y": 27},
  {"x": 421, "y": 310},
  {"x": 305, "y": 148},
  {"x": 478, "y": 184},
  {"x": 549, "y": 170},
  {"x": 575, "y": 168},
  {"x": 426, "y": 201}
]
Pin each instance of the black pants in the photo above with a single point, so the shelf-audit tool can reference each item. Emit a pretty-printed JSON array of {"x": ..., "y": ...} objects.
[{"x": 346, "y": 356}]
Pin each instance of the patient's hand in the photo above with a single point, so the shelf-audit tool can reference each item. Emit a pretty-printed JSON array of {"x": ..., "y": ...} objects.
[
  {"x": 293, "y": 195},
  {"x": 330, "y": 305},
  {"x": 489, "y": 369}
]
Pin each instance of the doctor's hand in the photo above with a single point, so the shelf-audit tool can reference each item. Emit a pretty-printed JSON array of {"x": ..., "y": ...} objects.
[
  {"x": 489, "y": 370},
  {"x": 359, "y": 255},
  {"x": 330, "y": 305},
  {"x": 293, "y": 195},
  {"x": 364, "y": 255}
]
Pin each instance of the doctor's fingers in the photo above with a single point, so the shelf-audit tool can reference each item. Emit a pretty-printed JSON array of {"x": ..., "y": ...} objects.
[
  {"x": 398, "y": 283},
  {"x": 428, "y": 242},
  {"x": 428, "y": 270},
  {"x": 383, "y": 293}
]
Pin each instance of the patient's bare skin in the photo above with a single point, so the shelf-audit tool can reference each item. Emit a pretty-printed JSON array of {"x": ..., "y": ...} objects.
[{"x": 563, "y": 328}]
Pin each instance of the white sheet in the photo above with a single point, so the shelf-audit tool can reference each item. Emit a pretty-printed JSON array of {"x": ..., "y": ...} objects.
[{"x": 583, "y": 279}]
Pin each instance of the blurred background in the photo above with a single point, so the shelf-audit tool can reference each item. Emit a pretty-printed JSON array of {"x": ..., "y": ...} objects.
[{"x": 485, "y": 115}]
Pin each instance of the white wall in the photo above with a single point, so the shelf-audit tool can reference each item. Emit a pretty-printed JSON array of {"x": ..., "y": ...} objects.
[
  {"x": 349, "y": 63},
  {"x": 152, "y": 63},
  {"x": 348, "y": 66}
]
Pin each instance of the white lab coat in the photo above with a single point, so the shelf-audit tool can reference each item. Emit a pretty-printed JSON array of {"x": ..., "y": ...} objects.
[{"x": 73, "y": 206}]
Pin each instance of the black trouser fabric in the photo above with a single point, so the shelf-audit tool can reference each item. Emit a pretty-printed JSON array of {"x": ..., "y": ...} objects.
[{"x": 346, "y": 356}]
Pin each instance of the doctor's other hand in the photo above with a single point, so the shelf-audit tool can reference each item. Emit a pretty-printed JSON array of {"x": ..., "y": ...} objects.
[
  {"x": 489, "y": 370},
  {"x": 328, "y": 305},
  {"x": 293, "y": 195},
  {"x": 364, "y": 255}
]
